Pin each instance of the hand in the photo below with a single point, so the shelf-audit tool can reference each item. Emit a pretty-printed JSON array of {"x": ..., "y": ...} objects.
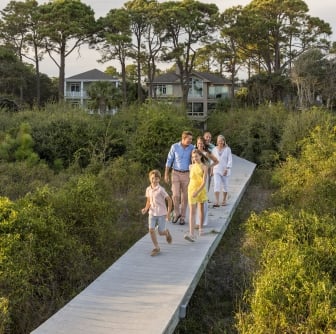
[
  {"x": 143, "y": 211},
  {"x": 166, "y": 178}
]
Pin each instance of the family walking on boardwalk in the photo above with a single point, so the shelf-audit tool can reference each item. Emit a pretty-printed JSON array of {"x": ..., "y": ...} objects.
[{"x": 192, "y": 168}]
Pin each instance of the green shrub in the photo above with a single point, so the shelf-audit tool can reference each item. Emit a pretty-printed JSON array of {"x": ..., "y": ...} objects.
[
  {"x": 40, "y": 262},
  {"x": 19, "y": 178},
  {"x": 309, "y": 181},
  {"x": 20, "y": 147},
  {"x": 158, "y": 127},
  {"x": 4, "y": 316},
  {"x": 298, "y": 125},
  {"x": 63, "y": 136},
  {"x": 294, "y": 289},
  {"x": 252, "y": 134}
]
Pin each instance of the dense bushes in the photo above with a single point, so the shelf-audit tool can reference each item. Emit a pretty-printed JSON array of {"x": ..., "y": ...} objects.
[
  {"x": 309, "y": 181},
  {"x": 158, "y": 127},
  {"x": 67, "y": 215},
  {"x": 58, "y": 231},
  {"x": 60, "y": 139},
  {"x": 252, "y": 134},
  {"x": 294, "y": 285},
  {"x": 54, "y": 242}
]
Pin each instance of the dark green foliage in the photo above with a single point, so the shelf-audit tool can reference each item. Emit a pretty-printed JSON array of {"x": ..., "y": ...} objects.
[
  {"x": 252, "y": 134},
  {"x": 158, "y": 126},
  {"x": 19, "y": 148},
  {"x": 20, "y": 178},
  {"x": 60, "y": 139}
]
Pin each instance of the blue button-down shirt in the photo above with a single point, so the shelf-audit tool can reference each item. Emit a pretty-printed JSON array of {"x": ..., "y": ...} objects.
[{"x": 179, "y": 157}]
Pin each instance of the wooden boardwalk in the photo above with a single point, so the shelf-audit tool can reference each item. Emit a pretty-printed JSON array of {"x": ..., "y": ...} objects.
[{"x": 140, "y": 294}]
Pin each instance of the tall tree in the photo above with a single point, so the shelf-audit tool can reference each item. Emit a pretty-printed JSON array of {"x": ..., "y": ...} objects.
[
  {"x": 19, "y": 27},
  {"x": 188, "y": 25},
  {"x": 328, "y": 85},
  {"x": 139, "y": 14},
  {"x": 12, "y": 72},
  {"x": 279, "y": 31},
  {"x": 230, "y": 52},
  {"x": 309, "y": 74},
  {"x": 153, "y": 43},
  {"x": 13, "y": 28},
  {"x": 114, "y": 40},
  {"x": 67, "y": 24}
]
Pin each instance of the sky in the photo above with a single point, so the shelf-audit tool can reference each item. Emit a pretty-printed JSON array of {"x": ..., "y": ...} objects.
[{"x": 87, "y": 59}]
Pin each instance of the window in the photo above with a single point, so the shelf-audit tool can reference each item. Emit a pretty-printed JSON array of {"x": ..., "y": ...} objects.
[
  {"x": 163, "y": 90},
  {"x": 195, "y": 109},
  {"x": 75, "y": 87},
  {"x": 218, "y": 92},
  {"x": 195, "y": 87}
]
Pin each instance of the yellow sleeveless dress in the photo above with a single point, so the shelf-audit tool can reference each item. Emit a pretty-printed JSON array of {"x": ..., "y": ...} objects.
[{"x": 196, "y": 179}]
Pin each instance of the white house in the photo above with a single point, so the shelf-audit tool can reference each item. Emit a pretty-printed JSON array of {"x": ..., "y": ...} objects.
[{"x": 75, "y": 87}]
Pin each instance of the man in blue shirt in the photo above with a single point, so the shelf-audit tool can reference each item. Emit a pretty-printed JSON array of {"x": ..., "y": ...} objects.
[{"x": 179, "y": 159}]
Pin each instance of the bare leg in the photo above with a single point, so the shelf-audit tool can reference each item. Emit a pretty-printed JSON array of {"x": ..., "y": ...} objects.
[
  {"x": 201, "y": 217},
  {"x": 217, "y": 198},
  {"x": 224, "y": 197},
  {"x": 192, "y": 217},
  {"x": 154, "y": 238}
]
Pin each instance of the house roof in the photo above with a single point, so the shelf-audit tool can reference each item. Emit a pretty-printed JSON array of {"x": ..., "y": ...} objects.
[
  {"x": 93, "y": 75},
  {"x": 172, "y": 77}
]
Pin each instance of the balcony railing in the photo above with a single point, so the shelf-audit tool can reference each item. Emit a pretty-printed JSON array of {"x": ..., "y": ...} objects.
[{"x": 76, "y": 95}]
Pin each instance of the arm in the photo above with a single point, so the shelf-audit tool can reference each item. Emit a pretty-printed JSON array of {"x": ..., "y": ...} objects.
[
  {"x": 166, "y": 176},
  {"x": 169, "y": 163},
  {"x": 147, "y": 206},
  {"x": 205, "y": 174},
  {"x": 170, "y": 206},
  {"x": 228, "y": 163},
  {"x": 213, "y": 159}
]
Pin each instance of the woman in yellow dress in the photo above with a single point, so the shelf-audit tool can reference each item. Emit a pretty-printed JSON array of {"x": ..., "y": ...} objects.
[{"x": 197, "y": 194}]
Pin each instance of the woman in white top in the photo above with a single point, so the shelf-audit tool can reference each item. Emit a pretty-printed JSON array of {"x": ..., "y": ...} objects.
[{"x": 222, "y": 170}]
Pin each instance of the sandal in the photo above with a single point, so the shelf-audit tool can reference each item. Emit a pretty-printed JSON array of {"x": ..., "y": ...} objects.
[
  {"x": 216, "y": 206},
  {"x": 175, "y": 220},
  {"x": 182, "y": 221},
  {"x": 155, "y": 251},
  {"x": 189, "y": 238}
]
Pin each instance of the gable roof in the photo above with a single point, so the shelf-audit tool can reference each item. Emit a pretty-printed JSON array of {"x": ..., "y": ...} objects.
[
  {"x": 172, "y": 77},
  {"x": 93, "y": 75}
]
